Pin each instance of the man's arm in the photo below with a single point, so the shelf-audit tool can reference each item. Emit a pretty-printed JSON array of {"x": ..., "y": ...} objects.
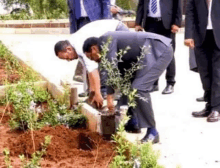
[
  {"x": 110, "y": 103},
  {"x": 106, "y": 9},
  {"x": 139, "y": 15},
  {"x": 177, "y": 16},
  {"x": 94, "y": 85},
  {"x": 177, "y": 13},
  {"x": 189, "y": 23}
]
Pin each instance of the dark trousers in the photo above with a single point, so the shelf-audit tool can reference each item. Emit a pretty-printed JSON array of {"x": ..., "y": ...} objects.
[
  {"x": 144, "y": 79},
  {"x": 82, "y": 21},
  {"x": 157, "y": 27},
  {"x": 208, "y": 62}
]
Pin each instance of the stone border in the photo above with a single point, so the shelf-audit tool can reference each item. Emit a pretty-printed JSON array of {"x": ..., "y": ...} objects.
[{"x": 61, "y": 23}]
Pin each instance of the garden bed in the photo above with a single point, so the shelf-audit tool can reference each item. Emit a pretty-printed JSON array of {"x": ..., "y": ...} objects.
[
  {"x": 69, "y": 148},
  {"x": 12, "y": 70},
  {"x": 29, "y": 113}
]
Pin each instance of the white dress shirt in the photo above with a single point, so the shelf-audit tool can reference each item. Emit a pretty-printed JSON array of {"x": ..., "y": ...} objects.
[
  {"x": 92, "y": 29},
  {"x": 83, "y": 11},
  {"x": 209, "y": 25},
  {"x": 112, "y": 2},
  {"x": 158, "y": 13}
]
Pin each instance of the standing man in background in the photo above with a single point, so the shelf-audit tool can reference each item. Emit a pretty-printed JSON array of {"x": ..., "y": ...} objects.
[
  {"x": 82, "y": 12},
  {"x": 162, "y": 17},
  {"x": 202, "y": 33}
]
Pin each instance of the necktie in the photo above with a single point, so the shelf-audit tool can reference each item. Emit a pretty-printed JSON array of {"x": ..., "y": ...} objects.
[
  {"x": 154, "y": 6},
  {"x": 77, "y": 9}
]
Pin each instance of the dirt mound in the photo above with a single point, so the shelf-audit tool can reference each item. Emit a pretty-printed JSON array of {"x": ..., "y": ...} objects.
[{"x": 82, "y": 146}]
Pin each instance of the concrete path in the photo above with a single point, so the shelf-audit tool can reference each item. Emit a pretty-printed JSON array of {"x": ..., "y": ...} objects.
[
  {"x": 185, "y": 141},
  {"x": 38, "y": 51}
]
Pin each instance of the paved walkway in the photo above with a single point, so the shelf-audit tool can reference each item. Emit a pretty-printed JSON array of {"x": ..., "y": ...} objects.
[
  {"x": 185, "y": 141},
  {"x": 38, "y": 52}
]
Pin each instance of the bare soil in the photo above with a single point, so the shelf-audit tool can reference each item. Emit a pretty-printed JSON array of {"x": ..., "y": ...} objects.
[{"x": 68, "y": 149}]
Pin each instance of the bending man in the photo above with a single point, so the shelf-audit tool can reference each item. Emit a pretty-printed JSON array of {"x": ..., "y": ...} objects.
[
  {"x": 155, "y": 62},
  {"x": 72, "y": 49}
]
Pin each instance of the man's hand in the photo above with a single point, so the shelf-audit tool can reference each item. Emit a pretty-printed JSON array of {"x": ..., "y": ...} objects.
[
  {"x": 174, "y": 28},
  {"x": 189, "y": 43},
  {"x": 110, "y": 104},
  {"x": 97, "y": 100},
  {"x": 138, "y": 28},
  {"x": 114, "y": 9}
]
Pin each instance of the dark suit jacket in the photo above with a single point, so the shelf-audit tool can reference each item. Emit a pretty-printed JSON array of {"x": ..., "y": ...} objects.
[
  {"x": 96, "y": 9},
  {"x": 135, "y": 40},
  {"x": 170, "y": 12},
  {"x": 197, "y": 20}
]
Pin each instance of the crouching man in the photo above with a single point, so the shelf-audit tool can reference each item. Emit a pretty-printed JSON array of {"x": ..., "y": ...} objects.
[
  {"x": 155, "y": 61},
  {"x": 72, "y": 49}
]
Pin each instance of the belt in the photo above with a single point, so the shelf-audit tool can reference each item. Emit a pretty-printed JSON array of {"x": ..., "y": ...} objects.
[
  {"x": 156, "y": 19},
  {"x": 84, "y": 18}
]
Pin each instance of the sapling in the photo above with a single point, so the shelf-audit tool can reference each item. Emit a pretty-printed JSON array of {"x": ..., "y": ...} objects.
[
  {"x": 127, "y": 153},
  {"x": 7, "y": 159}
]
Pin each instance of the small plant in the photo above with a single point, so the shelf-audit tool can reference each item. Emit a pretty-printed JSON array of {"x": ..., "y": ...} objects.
[
  {"x": 36, "y": 156},
  {"x": 28, "y": 114},
  {"x": 123, "y": 147},
  {"x": 24, "y": 98},
  {"x": 7, "y": 159},
  {"x": 128, "y": 154}
]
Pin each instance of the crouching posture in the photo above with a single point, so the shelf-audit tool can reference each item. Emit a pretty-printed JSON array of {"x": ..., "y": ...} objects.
[{"x": 155, "y": 61}]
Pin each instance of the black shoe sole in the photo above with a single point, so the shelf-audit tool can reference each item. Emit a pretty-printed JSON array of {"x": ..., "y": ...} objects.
[
  {"x": 167, "y": 92},
  {"x": 156, "y": 140},
  {"x": 134, "y": 131},
  {"x": 200, "y": 100}
]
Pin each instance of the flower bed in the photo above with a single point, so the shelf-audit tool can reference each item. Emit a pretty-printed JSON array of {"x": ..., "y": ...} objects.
[
  {"x": 28, "y": 114},
  {"x": 12, "y": 71},
  {"x": 68, "y": 148}
]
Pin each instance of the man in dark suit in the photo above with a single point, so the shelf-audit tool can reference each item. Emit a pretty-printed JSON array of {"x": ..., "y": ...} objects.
[
  {"x": 82, "y": 12},
  {"x": 161, "y": 17},
  {"x": 202, "y": 33},
  {"x": 155, "y": 61}
]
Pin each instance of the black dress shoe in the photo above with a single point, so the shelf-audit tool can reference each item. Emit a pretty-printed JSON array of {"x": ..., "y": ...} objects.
[
  {"x": 213, "y": 117},
  {"x": 132, "y": 129},
  {"x": 150, "y": 137},
  {"x": 200, "y": 99},
  {"x": 154, "y": 88},
  {"x": 168, "y": 89},
  {"x": 204, "y": 113}
]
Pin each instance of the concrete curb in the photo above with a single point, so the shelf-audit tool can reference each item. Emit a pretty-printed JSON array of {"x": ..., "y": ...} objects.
[{"x": 34, "y": 31}]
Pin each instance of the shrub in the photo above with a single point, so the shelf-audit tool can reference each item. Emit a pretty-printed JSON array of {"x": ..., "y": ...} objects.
[
  {"x": 127, "y": 4},
  {"x": 42, "y": 9}
]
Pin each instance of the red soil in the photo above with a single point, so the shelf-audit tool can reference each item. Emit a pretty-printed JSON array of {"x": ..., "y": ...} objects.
[{"x": 68, "y": 149}]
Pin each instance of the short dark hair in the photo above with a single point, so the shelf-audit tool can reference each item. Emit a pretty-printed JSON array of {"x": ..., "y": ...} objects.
[
  {"x": 60, "y": 46},
  {"x": 91, "y": 42}
]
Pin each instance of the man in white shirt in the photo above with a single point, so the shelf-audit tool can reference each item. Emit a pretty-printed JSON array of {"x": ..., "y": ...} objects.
[
  {"x": 72, "y": 49},
  {"x": 202, "y": 33}
]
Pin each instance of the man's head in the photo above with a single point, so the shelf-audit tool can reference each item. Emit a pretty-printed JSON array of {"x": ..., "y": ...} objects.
[
  {"x": 92, "y": 48},
  {"x": 64, "y": 50}
]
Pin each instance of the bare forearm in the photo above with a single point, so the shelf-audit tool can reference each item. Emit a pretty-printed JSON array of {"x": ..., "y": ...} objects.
[{"x": 94, "y": 81}]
